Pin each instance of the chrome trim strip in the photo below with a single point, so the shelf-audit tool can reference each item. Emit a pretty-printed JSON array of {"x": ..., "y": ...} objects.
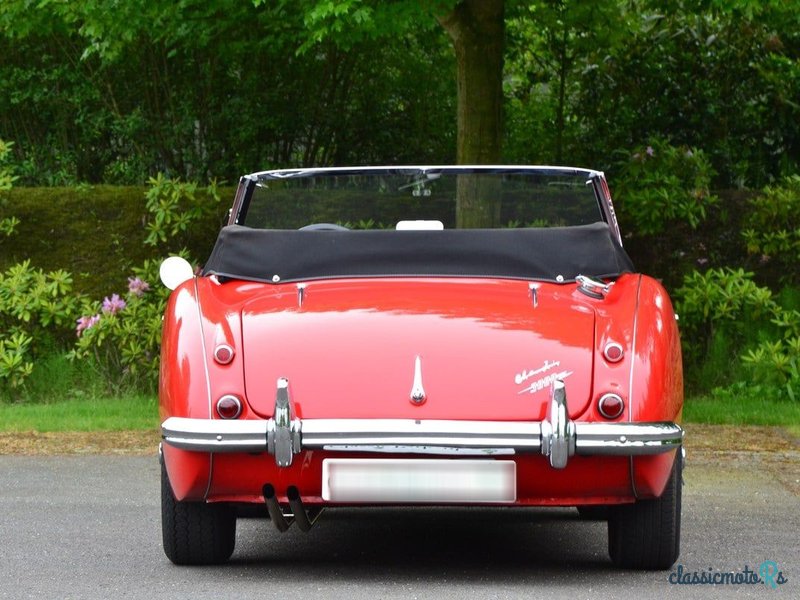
[
  {"x": 398, "y": 435},
  {"x": 590, "y": 174}
]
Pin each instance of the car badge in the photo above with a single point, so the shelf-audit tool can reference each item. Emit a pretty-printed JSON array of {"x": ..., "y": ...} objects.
[
  {"x": 544, "y": 379},
  {"x": 418, "y": 395}
]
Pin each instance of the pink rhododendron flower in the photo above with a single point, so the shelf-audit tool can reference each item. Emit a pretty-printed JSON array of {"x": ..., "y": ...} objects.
[
  {"x": 85, "y": 323},
  {"x": 113, "y": 305},
  {"x": 137, "y": 286},
  {"x": 649, "y": 151}
]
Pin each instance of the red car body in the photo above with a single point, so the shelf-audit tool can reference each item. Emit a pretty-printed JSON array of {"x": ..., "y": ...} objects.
[{"x": 565, "y": 392}]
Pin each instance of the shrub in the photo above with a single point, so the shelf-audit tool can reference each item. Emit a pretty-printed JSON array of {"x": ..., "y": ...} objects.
[
  {"x": 175, "y": 206},
  {"x": 7, "y": 224},
  {"x": 774, "y": 231},
  {"x": 121, "y": 335},
  {"x": 661, "y": 184},
  {"x": 37, "y": 309},
  {"x": 7, "y": 177},
  {"x": 726, "y": 315},
  {"x": 720, "y": 297}
]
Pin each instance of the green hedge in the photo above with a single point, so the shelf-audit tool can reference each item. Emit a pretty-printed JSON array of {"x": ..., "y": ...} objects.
[{"x": 95, "y": 232}]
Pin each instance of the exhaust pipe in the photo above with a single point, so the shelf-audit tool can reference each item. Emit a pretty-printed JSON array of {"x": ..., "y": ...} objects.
[
  {"x": 275, "y": 513},
  {"x": 305, "y": 519}
]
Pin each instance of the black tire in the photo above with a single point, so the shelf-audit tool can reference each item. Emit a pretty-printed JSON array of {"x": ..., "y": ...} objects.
[
  {"x": 647, "y": 533},
  {"x": 195, "y": 533}
]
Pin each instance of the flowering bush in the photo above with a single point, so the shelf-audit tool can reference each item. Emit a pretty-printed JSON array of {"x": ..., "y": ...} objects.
[
  {"x": 660, "y": 183},
  {"x": 122, "y": 334}
]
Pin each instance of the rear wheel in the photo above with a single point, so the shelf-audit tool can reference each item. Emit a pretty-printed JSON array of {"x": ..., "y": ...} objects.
[
  {"x": 646, "y": 534},
  {"x": 195, "y": 533}
]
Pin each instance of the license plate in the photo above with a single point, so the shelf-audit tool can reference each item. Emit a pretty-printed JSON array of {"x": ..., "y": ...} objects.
[{"x": 418, "y": 480}]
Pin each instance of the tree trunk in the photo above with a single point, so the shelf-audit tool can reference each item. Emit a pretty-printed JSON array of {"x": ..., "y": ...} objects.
[{"x": 477, "y": 31}]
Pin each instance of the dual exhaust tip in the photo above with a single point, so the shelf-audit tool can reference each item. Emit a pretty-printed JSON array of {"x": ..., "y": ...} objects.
[{"x": 305, "y": 519}]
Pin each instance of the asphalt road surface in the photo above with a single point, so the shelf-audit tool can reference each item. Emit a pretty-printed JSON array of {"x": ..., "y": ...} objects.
[{"x": 89, "y": 527}]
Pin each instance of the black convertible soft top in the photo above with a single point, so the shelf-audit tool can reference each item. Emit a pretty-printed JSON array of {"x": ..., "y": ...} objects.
[{"x": 278, "y": 255}]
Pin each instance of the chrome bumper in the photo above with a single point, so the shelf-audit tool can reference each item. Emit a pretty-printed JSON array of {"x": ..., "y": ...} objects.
[{"x": 557, "y": 437}]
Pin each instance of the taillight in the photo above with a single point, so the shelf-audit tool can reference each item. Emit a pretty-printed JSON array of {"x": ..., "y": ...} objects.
[
  {"x": 610, "y": 406},
  {"x": 223, "y": 354},
  {"x": 613, "y": 352},
  {"x": 229, "y": 407}
]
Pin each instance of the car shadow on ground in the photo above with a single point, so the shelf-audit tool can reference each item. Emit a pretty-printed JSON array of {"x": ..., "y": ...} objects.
[{"x": 462, "y": 544}]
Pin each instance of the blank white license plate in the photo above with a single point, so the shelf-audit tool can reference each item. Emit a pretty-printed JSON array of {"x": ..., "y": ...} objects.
[{"x": 418, "y": 480}]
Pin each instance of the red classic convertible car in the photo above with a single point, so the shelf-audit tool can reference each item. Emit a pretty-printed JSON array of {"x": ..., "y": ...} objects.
[{"x": 390, "y": 354}]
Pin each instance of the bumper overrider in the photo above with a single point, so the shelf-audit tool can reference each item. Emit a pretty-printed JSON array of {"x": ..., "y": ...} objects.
[{"x": 557, "y": 437}]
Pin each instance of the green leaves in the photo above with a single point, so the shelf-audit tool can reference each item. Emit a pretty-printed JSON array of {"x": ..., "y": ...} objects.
[
  {"x": 125, "y": 345},
  {"x": 175, "y": 206},
  {"x": 7, "y": 178},
  {"x": 728, "y": 302},
  {"x": 35, "y": 306},
  {"x": 14, "y": 368},
  {"x": 774, "y": 234},
  {"x": 349, "y": 22},
  {"x": 661, "y": 185}
]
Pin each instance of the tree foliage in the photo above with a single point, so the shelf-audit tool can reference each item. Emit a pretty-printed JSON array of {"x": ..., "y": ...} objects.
[
  {"x": 101, "y": 90},
  {"x": 202, "y": 89}
]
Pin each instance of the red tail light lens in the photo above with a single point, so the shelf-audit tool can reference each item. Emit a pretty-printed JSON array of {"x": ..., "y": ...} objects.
[
  {"x": 610, "y": 406},
  {"x": 223, "y": 354},
  {"x": 613, "y": 352},
  {"x": 229, "y": 407}
]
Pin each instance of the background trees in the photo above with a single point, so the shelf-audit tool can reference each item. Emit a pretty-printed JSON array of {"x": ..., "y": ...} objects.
[{"x": 101, "y": 91}]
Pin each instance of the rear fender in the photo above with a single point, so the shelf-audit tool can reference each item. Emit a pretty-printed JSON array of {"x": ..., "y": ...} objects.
[{"x": 656, "y": 381}]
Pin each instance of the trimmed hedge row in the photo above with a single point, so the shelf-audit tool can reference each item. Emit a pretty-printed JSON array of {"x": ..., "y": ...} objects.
[{"x": 95, "y": 232}]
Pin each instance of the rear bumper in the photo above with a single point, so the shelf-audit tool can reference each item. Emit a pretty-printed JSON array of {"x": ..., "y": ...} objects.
[
  {"x": 434, "y": 437},
  {"x": 557, "y": 437}
]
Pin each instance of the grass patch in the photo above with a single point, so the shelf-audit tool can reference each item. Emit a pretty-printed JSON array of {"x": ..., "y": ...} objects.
[
  {"x": 794, "y": 430},
  {"x": 140, "y": 412},
  {"x": 722, "y": 410},
  {"x": 126, "y": 413},
  {"x": 62, "y": 395}
]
